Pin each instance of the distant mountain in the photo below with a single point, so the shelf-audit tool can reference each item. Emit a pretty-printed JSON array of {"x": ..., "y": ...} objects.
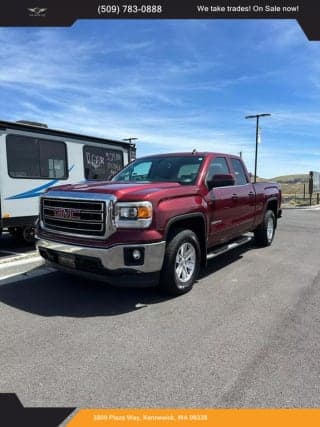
[{"x": 292, "y": 179}]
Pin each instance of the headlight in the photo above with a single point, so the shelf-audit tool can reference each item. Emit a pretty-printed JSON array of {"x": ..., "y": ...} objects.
[{"x": 133, "y": 214}]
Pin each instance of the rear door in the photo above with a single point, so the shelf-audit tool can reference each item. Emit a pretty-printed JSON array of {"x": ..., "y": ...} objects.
[{"x": 243, "y": 199}]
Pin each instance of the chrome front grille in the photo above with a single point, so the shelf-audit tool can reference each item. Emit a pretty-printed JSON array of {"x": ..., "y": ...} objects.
[{"x": 87, "y": 218}]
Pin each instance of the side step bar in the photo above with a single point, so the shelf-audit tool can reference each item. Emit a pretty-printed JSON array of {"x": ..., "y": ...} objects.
[{"x": 225, "y": 248}]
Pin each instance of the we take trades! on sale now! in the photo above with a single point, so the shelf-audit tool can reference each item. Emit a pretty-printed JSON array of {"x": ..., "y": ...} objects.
[{"x": 248, "y": 9}]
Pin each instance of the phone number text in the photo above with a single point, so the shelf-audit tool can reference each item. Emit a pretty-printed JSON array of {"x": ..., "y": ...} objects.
[{"x": 115, "y": 9}]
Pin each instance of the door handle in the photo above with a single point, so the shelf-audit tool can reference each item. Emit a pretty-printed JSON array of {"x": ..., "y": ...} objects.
[
  {"x": 251, "y": 194},
  {"x": 234, "y": 197}
]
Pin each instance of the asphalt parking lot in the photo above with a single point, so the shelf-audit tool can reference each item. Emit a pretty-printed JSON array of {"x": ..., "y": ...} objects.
[{"x": 247, "y": 335}]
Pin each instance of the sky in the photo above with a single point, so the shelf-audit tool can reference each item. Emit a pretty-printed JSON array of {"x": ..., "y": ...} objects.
[{"x": 174, "y": 84}]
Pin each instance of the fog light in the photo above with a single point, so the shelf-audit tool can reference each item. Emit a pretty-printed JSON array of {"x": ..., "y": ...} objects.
[
  {"x": 133, "y": 256},
  {"x": 136, "y": 254}
]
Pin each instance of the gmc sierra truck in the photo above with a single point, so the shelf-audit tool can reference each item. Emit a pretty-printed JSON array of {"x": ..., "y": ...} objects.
[{"x": 158, "y": 221}]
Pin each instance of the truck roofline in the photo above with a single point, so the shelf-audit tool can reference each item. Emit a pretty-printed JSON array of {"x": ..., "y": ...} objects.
[{"x": 189, "y": 154}]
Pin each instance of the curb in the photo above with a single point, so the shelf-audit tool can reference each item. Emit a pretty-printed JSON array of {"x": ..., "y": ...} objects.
[
  {"x": 313, "y": 207},
  {"x": 19, "y": 257}
]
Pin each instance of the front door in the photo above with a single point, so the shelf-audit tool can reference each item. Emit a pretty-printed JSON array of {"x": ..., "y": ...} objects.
[{"x": 221, "y": 206}]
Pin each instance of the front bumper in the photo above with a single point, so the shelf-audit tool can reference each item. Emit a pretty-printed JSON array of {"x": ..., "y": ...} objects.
[{"x": 107, "y": 264}]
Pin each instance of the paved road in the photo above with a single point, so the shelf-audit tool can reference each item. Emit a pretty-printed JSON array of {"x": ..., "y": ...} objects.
[{"x": 248, "y": 335}]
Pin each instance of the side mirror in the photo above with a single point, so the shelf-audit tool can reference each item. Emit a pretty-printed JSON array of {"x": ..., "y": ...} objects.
[{"x": 221, "y": 180}]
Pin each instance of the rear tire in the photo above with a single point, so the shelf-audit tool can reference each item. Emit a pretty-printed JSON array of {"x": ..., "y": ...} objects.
[
  {"x": 16, "y": 232},
  {"x": 23, "y": 234},
  {"x": 28, "y": 234},
  {"x": 181, "y": 263},
  {"x": 264, "y": 234}
]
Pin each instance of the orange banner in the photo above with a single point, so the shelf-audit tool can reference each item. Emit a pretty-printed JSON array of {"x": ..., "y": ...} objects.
[{"x": 195, "y": 417}]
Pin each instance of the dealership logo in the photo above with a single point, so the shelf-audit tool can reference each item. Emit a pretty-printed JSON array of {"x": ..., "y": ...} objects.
[
  {"x": 66, "y": 213},
  {"x": 37, "y": 11}
]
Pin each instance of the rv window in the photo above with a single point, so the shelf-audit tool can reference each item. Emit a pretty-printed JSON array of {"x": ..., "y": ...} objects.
[
  {"x": 101, "y": 163},
  {"x": 52, "y": 159},
  {"x": 29, "y": 157},
  {"x": 23, "y": 157}
]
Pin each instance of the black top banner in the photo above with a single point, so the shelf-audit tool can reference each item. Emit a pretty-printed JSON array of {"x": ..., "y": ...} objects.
[{"x": 53, "y": 13}]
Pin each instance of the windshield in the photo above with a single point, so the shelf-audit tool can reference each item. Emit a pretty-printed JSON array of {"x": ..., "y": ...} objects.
[{"x": 182, "y": 169}]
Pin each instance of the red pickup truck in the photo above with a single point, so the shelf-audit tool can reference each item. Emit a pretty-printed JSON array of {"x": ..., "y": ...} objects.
[{"x": 158, "y": 220}]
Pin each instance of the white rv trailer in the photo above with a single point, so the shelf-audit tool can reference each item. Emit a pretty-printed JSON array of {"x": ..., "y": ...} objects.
[{"x": 34, "y": 158}]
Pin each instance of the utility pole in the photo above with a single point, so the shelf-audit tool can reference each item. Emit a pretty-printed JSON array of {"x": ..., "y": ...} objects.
[{"x": 257, "y": 117}]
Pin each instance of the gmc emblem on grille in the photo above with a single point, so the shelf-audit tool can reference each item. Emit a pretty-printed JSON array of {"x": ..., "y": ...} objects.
[{"x": 66, "y": 213}]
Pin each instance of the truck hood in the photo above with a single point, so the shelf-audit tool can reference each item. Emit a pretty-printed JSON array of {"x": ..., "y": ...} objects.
[{"x": 132, "y": 191}]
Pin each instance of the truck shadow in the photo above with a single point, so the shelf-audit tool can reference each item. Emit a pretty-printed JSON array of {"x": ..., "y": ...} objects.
[{"x": 58, "y": 294}]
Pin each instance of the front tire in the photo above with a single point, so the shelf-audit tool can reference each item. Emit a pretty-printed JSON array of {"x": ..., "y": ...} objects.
[
  {"x": 264, "y": 234},
  {"x": 181, "y": 263}
]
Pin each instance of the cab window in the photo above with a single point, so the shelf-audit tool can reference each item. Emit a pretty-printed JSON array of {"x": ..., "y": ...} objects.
[
  {"x": 218, "y": 166},
  {"x": 240, "y": 175}
]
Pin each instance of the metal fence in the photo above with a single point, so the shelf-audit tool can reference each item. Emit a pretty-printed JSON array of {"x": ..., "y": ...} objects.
[{"x": 301, "y": 199}]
